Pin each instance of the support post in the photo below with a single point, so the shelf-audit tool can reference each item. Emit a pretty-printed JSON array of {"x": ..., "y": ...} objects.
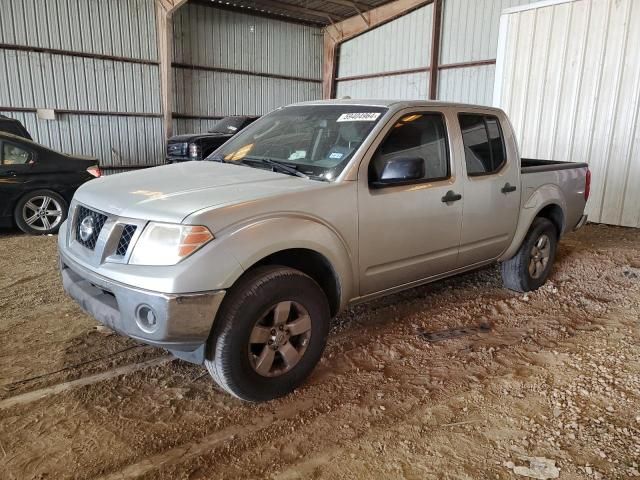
[
  {"x": 435, "y": 49},
  {"x": 329, "y": 66},
  {"x": 164, "y": 29}
]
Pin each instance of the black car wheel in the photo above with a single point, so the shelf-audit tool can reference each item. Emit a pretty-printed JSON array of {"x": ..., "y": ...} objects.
[
  {"x": 41, "y": 212},
  {"x": 269, "y": 334},
  {"x": 530, "y": 267}
]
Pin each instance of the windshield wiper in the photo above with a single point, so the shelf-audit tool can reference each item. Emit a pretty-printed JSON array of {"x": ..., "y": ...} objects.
[{"x": 283, "y": 167}]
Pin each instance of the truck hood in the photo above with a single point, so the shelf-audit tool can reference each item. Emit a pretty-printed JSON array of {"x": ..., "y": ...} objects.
[{"x": 171, "y": 193}]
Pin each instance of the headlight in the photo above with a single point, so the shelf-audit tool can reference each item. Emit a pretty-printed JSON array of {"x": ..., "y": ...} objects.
[
  {"x": 194, "y": 150},
  {"x": 167, "y": 244}
]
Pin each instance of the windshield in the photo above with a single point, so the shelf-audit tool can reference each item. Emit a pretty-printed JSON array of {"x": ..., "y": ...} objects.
[
  {"x": 230, "y": 125},
  {"x": 312, "y": 140}
]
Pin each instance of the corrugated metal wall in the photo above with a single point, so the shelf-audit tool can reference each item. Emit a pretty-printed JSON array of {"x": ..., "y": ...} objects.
[
  {"x": 228, "y": 63},
  {"x": 470, "y": 34},
  {"x": 61, "y": 54},
  {"x": 368, "y": 65},
  {"x": 569, "y": 76}
]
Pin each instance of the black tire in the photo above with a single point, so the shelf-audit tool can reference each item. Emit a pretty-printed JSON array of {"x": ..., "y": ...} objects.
[
  {"x": 230, "y": 359},
  {"x": 516, "y": 274},
  {"x": 44, "y": 224}
]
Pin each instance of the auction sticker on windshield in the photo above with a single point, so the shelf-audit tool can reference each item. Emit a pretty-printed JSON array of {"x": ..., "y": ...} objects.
[{"x": 358, "y": 117}]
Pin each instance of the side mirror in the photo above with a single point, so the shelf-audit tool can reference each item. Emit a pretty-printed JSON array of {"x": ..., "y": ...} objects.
[{"x": 399, "y": 171}]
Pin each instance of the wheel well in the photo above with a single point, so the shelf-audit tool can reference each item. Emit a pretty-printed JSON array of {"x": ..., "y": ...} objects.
[
  {"x": 555, "y": 215},
  {"x": 313, "y": 264}
]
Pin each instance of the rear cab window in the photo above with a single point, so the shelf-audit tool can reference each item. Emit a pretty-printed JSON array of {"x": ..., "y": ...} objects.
[
  {"x": 484, "y": 148},
  {"x": 11, "y": 154}
]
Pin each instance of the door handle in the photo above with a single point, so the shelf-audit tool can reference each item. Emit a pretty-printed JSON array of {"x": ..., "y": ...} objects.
[
  {"x": 508, "y": 188},
  {"x": 451, "y": 196},
  {"x": 10, "y": 173}
]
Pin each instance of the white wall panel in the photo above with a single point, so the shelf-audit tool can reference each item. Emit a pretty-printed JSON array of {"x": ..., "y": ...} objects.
[
  {"x": 402, "y": 44},
  {"x": 467, "y": 85},
  {"x": 257, "y": 49},
  {"x": 569, "y": 76},
  {"x": 124, "y": 28},
  {"x": 397, "y": 87},
  {"x": 235, "y": 40},
  {"x": 470, "y": 29},
  {"x": 44, "y": 80},
  {"x": 209, "y": 93}
]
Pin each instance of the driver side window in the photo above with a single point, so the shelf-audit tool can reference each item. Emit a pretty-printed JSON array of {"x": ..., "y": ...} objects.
[
  {"x": 14, "y": 155},
  {"x": 416, "y": 135}
]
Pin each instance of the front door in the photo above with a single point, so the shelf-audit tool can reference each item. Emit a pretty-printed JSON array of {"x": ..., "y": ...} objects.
[
  {"x": 409, "y": 232},
  {"x": 492, "y": 190}
]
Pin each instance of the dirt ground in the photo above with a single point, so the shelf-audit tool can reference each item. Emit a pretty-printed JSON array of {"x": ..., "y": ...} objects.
[{"x": 460, "y": 379}]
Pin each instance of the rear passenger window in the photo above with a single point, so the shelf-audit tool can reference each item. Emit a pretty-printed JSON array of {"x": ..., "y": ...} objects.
[
  {"x": 14, "y": 155},
  {"x": 483, "y": 143},
  {"x": 420, "y": 135}
]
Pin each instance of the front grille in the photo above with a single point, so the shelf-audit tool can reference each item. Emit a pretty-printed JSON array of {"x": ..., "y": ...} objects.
[
  {"x": 91, "y": 229},
  {"x": 125, "y": 239},
  {"x": 177, "y": 149}
]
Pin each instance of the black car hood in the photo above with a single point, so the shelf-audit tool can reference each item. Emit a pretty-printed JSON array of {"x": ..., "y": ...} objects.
[{"x": 192, "y": 137}]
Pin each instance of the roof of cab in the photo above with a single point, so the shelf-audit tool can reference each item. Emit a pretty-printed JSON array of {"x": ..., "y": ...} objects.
[{"x": 394, "y": 103}]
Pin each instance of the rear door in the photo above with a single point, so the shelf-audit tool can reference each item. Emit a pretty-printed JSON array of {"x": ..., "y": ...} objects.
[
  {"x": 492, "y": 187},
  {"x": 407, "y": 232},
  {"x": 15, "y": 166}
]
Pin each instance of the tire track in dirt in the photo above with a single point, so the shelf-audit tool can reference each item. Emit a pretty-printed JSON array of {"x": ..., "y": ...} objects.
[
  {"x": 190, "y": 450},
  {"x": 34, "y": 395}
]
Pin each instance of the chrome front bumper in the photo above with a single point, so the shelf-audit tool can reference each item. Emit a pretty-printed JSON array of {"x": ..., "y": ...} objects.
[{"x": 180, "y": 323}]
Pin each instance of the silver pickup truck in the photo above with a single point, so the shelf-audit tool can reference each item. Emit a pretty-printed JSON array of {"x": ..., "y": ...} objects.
[{"x": 240, "y": 262}]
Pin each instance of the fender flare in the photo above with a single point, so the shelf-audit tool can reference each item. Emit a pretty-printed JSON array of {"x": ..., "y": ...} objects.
[
  {"x": 287, "y": 232},
  {"x": 543, "y": 197}
]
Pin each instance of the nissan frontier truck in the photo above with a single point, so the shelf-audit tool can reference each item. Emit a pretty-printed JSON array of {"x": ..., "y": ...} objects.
[{"x": 240, "y": 262}]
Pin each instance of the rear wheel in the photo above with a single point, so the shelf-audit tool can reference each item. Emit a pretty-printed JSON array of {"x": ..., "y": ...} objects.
[
  {"x": 269, "y": 334},
  {"x": 529, "y": 268},
  {"x": 40, "y": 212}
]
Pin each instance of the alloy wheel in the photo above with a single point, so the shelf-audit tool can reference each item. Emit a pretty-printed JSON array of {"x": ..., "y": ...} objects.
[
  {"x": 279, "y": 339},
  {"x": 539, "y": 257},
  {"x": 42, "y": 213}
]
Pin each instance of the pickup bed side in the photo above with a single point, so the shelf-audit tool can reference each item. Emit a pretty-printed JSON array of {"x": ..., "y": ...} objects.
[{"x": 552, "y": 189}]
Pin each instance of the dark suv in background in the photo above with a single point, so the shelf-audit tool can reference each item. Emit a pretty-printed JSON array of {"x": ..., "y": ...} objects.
[{"x": 196, "y": 146}]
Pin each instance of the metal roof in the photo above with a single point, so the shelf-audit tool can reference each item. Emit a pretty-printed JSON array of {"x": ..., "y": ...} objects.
[{"x": 319, "y": 12}]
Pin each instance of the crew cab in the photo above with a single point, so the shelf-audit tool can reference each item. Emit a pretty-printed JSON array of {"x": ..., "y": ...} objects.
[
  {"x": 196, "y": 146},
  {"x": 239, "y": 262}
]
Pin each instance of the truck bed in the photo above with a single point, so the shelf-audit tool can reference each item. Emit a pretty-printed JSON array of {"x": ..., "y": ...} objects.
[{"x": 533, "y": 165}]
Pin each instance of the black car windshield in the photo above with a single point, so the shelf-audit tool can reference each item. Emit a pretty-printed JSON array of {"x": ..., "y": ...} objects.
[
  {"x": 312, "y": 140},
  {"x": 230, "y": 125}
]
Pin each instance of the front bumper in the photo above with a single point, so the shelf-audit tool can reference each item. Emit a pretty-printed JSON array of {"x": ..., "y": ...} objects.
[{"x": 181, "y": 323}]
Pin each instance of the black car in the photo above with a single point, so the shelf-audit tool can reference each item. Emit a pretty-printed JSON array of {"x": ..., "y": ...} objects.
[
  {"x": 14, "y": 126},
  {"x": 37, "y": 184},
  {"x": 196, "y": 146}
]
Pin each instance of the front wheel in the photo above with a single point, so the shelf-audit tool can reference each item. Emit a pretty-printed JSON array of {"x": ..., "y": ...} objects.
[
  {"x": 530, "y": 267},
  {"x": 41, "y": 212},
  {"x": 269, "y": 334}
]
